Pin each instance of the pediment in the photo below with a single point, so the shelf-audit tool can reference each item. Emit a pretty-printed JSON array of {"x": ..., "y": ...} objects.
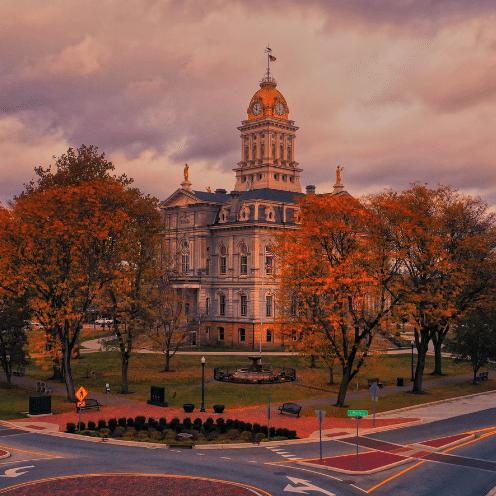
[{"x": 179, "y": 198}]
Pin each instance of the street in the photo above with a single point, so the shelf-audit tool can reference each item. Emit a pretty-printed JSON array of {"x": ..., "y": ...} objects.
[{"x": 270, "y": 468}]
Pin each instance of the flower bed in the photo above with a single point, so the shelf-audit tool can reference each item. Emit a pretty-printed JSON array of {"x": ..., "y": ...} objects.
[{"x": 175, "y": 431}]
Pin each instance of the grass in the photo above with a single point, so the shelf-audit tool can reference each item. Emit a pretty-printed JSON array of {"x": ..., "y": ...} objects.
[
  {"x": 94, "y": 370},
  {"x": 404, "y": 399},
  {"x": 14, "y": 402}
]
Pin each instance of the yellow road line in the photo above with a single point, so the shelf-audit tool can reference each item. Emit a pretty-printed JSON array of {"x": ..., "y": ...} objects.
[
  {"x": 394, "y": 476},
  {"x": 32, "y": 452}
]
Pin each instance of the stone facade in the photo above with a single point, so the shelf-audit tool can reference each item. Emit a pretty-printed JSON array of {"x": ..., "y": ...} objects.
[{"x": 222, "y": 240}]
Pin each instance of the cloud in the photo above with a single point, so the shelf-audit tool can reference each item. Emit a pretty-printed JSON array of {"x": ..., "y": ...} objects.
[{"x": 394, "y": 91}]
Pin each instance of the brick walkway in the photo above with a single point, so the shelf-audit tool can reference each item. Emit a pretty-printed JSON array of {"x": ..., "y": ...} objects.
[
  {"x": 304, "y": 426},
  {"x": 132, "y": 485}
]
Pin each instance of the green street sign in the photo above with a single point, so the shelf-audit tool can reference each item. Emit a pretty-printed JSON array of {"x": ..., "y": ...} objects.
[{"x": 357, "y": 413}]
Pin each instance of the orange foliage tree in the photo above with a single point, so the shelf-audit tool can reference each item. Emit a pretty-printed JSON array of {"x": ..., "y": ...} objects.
[
  {"x": 337, "y": 279},
  {"x": 62, "y": 243},
  {"x": 445, "y": 243}
]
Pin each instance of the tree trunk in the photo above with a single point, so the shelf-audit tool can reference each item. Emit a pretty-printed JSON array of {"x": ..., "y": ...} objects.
[
  {"x": 71, "y": 394},
  {"x": 343, "y": 388},
  {"x": 124, "y": 369},
  {"x": 419, "y": 371},
  {"x": 331, "y": 376},
  {"x": 167, "y": 361},
  {"x": 437, "y": 341}
]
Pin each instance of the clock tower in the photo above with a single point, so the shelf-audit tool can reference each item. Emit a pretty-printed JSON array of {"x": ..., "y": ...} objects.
[{"x": 268, "y": 143}]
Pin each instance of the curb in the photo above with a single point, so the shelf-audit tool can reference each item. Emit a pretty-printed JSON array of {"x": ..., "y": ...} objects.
[{"x": 406, "y": 459}]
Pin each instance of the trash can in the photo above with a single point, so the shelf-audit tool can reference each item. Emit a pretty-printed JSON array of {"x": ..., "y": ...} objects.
[{"x": 399, "y": 381}]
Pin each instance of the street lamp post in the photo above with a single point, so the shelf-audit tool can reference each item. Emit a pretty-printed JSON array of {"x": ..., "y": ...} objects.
[
  {"x": 202, "y": 410},
  {"x": 413, "y": 378}
]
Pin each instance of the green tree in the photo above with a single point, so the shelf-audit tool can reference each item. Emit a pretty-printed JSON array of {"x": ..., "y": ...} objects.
[
  {"x": 13, "y": 339},
  {"x": 473, "y": 338}
]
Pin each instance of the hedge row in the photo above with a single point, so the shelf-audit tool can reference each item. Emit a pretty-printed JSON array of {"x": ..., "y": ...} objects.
[{"x": 158, "y": 430}]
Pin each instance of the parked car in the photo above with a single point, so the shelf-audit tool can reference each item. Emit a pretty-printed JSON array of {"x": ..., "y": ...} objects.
[
  {"x": 104, "y": 321},
  {"x": 34, "y": 325}
]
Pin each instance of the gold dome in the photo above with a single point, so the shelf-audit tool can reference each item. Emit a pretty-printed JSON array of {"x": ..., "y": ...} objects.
[{"x": 268, "y": 101}]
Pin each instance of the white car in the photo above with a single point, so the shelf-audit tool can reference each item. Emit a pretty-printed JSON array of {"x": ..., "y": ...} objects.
[
  {"x": 104, "y": 321},
  {"x": 34, "y": 325}
]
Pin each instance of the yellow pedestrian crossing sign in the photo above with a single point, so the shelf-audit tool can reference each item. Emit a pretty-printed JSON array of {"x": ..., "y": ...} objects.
[{"x": 81, "y": 393}]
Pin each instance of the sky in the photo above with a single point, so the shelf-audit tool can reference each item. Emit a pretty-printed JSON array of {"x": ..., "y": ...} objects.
[{"x": 393, "y": 91}]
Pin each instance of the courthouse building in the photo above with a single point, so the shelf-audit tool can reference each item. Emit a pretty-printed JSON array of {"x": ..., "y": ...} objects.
[{"x": 222, "y": 239}]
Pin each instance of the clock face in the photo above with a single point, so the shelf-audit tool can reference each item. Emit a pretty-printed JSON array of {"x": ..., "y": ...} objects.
[
  {"x": 280, "y": 108},
  {"x": 257, "y": 108}
]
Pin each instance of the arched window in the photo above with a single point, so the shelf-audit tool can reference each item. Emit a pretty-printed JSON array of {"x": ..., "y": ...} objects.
[
  {"x": 289, "y": 154},
  {"x": 184, "y": 257},
  {"x": 254, "y": 152}
]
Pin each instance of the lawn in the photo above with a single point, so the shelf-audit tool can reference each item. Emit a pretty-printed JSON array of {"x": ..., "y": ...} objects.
[{"x": 94, "y": 370}]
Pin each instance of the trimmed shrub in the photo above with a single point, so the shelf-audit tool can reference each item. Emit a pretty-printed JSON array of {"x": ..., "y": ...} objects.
[
  {"x": 241, "y": 425},
  {"x": 130, "y": 432},
  {"x": 112, "y": 423},
  {"x": 130, "y": 422},
  {"x": 265, "y": 430},
  {"x": 175, "y": 424},
  {"x": 152, "y": 422},
  {"x": 162, "y": 421},
  {"x": 119, "y": 431},
  {"x": 91, "y": 425},
  {"x": 256, "y": 428},
  {"x": 248, "y": 426},
  {"x": 104, "y": 432},
  {"x": 232, "y": 434},
  {"x": 272, "y": 431},
  {"x": 285, "y": 432},
  {"x": 197, "y": 424},
  {"x": 159, "y": 428},
  {"x": 235, "y": 424},
  {"x": 70, "y": 427},
  {"x": 212, "y": 436},
  {"x": 156, "y": 436},
  {"x": 102, "y": 424},
  {"x": 122, "y": 421},
  {"x": 279, "y": 432},
  {"x": 140, "y": 419},
  {"x": 187, "y": 423},
  {"x": 259, "y": 436},
  {"x": 81, "y": 425},
  {"x": 142, "y": 435},
  {"x": 292, "y": 435},
  {"x": 230, "y": 423},
  {"x": 245, "y": 436}
]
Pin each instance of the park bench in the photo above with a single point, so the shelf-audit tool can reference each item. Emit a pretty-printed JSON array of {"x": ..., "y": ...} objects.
[
  {"x": 89, "y": 403},
  {"x": 21, "y": 372},
  {"x": 290, "y": 408},
  {"x": 483, "y": 376},
  {"x": 375, "y": 379}
]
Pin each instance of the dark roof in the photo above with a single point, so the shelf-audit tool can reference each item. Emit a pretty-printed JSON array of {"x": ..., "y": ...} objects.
[
  {"x": 268, "y": 194},
  {"x": 278, "y": 195},
  {"x": 212, "y": 197}
]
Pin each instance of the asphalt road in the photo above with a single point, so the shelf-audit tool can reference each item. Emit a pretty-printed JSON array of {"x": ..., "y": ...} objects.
[{"x": 271, "y": 469}]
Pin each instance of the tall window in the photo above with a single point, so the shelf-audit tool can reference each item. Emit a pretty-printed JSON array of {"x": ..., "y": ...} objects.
[
  {"x": 223, "y": 260},
  {"x": 207, "y": 332},
  {"x": 270, "y": 336},
  {"x": 243, "y": 265},
  {"x": 184, "y": 257},
  {"x": 221, "y": 333},
  {"x": 207, "y": 306},
  {"x": 244, "y": 305},
  {"x": 207, "y": 267},
  {"x": 268, "y": 306},
  {"x": 242, "y": 335},
  {"x": 222, "y": 304},
  {"x": 269, "y": 266}
]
